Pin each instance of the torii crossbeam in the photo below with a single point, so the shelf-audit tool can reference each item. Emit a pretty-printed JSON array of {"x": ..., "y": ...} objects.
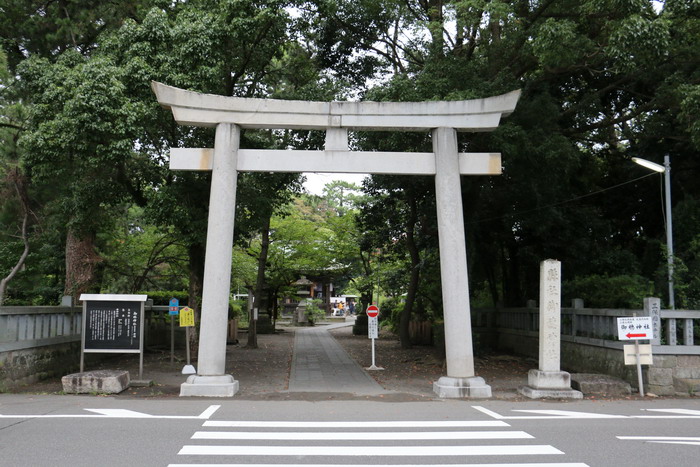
[{"x": 226, "y": 159}]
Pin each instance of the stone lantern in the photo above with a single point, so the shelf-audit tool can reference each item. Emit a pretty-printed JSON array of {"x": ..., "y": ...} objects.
[{"x": 304, "y": 294}]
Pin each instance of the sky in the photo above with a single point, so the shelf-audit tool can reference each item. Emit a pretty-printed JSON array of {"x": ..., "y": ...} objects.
[{"x": 316, "y": 181}]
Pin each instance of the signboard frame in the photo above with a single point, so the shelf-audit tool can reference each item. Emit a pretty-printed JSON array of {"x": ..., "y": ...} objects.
[
  {"x": 128, "y": 301},
  {"x": 641, "y": 353},
  {"x": 635, "y": 328}
]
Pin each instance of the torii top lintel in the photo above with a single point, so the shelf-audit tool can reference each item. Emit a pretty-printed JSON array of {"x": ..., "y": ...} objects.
[{"x": 208, "y": 110}]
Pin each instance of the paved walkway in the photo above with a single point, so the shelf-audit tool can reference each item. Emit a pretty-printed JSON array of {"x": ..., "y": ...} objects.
[{"x": 320, "y": 364}]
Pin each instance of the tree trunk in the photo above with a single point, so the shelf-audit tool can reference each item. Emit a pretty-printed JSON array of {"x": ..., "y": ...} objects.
[
  {"x": 366, "y": 287},
  {"x": 196, "y": 253},
  {"x": 5, "y": 280},
  {"x": 21, "y": 189},
  {"x": 404, "y": 335},
  {"x": 260, "y": 282},
  {"x": 81, "y": 263}
]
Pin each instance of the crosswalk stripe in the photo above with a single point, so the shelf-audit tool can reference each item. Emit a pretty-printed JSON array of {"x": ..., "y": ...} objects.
[
  {"x": 408, "y": 424},
  {"x": 503, "y": 450},
  {"x": 538, "y": 464},
  {"x": 358, "y": 436}
]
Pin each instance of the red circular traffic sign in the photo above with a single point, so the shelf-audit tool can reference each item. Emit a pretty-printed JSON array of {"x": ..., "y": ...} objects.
[{"x": 372, "y": 311}]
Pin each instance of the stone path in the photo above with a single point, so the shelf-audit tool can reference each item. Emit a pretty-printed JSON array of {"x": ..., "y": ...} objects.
[{"x": 320, "y": 364}]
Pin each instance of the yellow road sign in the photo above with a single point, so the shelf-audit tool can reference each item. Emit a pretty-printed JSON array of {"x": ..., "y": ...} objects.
[{"x": 186, "y": 317}]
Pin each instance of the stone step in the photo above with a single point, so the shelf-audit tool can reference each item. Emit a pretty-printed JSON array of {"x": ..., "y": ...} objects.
[
  {"x": 96, "y": 382},
  {"x": 590, "y": 383}
]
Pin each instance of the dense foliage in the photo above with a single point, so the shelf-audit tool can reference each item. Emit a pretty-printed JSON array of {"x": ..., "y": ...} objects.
[{"x": 88, "y": 203}]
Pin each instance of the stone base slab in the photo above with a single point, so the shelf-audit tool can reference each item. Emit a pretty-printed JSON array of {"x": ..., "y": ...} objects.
[
  {"x": 589, "y": 383},
  {"x": 539, "y": 379},
  {"x": 209, "y": 386},
  {"x": 448, "y": 387},
  {"x": 550, "y": 393},
  {"x": 101, "y": 382}
]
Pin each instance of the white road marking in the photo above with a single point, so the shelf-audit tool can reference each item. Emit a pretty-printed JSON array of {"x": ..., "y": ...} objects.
[
  {"x": 404, "y": 451},
  {"x": 411, "y": 424},
  {"x": 692, "y": 443},
  {"x": 358, "y": 436},
  {"x": 120, "y": 413},
  {"x": 690, "y": 440},
  {"x": 682, "y": 413},
  {"x": 209, "y": 411},
  {"x": 546, "y": 414},
  {"x": 539, "y": 464}
]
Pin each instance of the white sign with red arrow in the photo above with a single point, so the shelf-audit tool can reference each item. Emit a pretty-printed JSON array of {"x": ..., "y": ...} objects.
[
  {"x": 636, "y": 328},
  {"x": 633, "y": 328}
]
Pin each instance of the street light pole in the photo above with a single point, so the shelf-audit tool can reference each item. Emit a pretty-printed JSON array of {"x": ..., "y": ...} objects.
[
  {"x": 669, "y": 232},
  {"x": 666, "y": 170}
]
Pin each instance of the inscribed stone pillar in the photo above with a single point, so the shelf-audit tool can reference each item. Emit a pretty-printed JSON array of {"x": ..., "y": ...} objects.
[
  {"x": 549, "y": 381},
  {"x": 460, "y": 380},
  {"x": 652, "y": 308},
  {"x": 211, "y": 379},
  {"x": 550, "y": 315}
]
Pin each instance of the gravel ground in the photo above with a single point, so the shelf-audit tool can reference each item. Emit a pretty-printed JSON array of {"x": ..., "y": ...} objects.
[
  {"x": 263, "y": 373},
  {"x": 414, "y": 370}
]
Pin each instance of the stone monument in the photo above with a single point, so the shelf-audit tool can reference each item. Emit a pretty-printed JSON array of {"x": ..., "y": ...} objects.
[{"x": 549, "y": 381}]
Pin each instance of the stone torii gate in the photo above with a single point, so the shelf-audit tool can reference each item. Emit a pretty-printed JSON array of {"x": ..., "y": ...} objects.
[{"x": 226, "y": 159}]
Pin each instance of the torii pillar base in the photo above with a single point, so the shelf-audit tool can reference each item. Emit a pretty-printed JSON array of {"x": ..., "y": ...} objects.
[
  {"x": 474, "y": 387},
  {"x": 209, "y": 386}
]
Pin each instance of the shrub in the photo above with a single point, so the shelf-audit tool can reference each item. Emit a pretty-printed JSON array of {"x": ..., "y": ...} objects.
[{"x": 314, "y": 310}]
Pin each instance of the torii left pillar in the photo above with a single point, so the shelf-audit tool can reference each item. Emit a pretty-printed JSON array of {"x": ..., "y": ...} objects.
[
  {"x": 211, "y": 378},
  {"x": 461, "y": 381}
]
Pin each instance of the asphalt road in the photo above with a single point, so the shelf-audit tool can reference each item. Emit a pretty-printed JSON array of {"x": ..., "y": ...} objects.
[{"x": 106, "y": 431}]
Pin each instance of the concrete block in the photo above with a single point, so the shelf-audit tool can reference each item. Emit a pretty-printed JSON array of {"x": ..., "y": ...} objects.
[
  {"x": 688, "y": 361},
  {"x": 660, "y": 376},
  {"x": 589, "y": 383},
  {"x": 102, "y": 382},
  {"x": 457, "y": 388},
  {"x": 533, "y": 393},
  {"x": 538, "y": 379},
  {"x": 660, "y": 390},
  {"x": 686, "y": 386},
  {"x": 665, "y": 361},
  {"x": 686, "y": 373}
]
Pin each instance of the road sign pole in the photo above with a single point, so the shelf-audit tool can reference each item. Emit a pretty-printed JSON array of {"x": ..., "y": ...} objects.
[
  {"x": 639, "y": 368},
  {"x": 373, "y": 330},
  {"x": 173, "y": 309},
  {"x": 172, "y": 339},
  {"x": 187, "y": 344},
  {"x": 373, "y": 365},
  {"x": 640, "y": 381}
]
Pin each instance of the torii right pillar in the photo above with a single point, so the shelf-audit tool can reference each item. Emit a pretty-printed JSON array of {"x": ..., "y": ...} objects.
[{"x": 461, "y": 380}]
